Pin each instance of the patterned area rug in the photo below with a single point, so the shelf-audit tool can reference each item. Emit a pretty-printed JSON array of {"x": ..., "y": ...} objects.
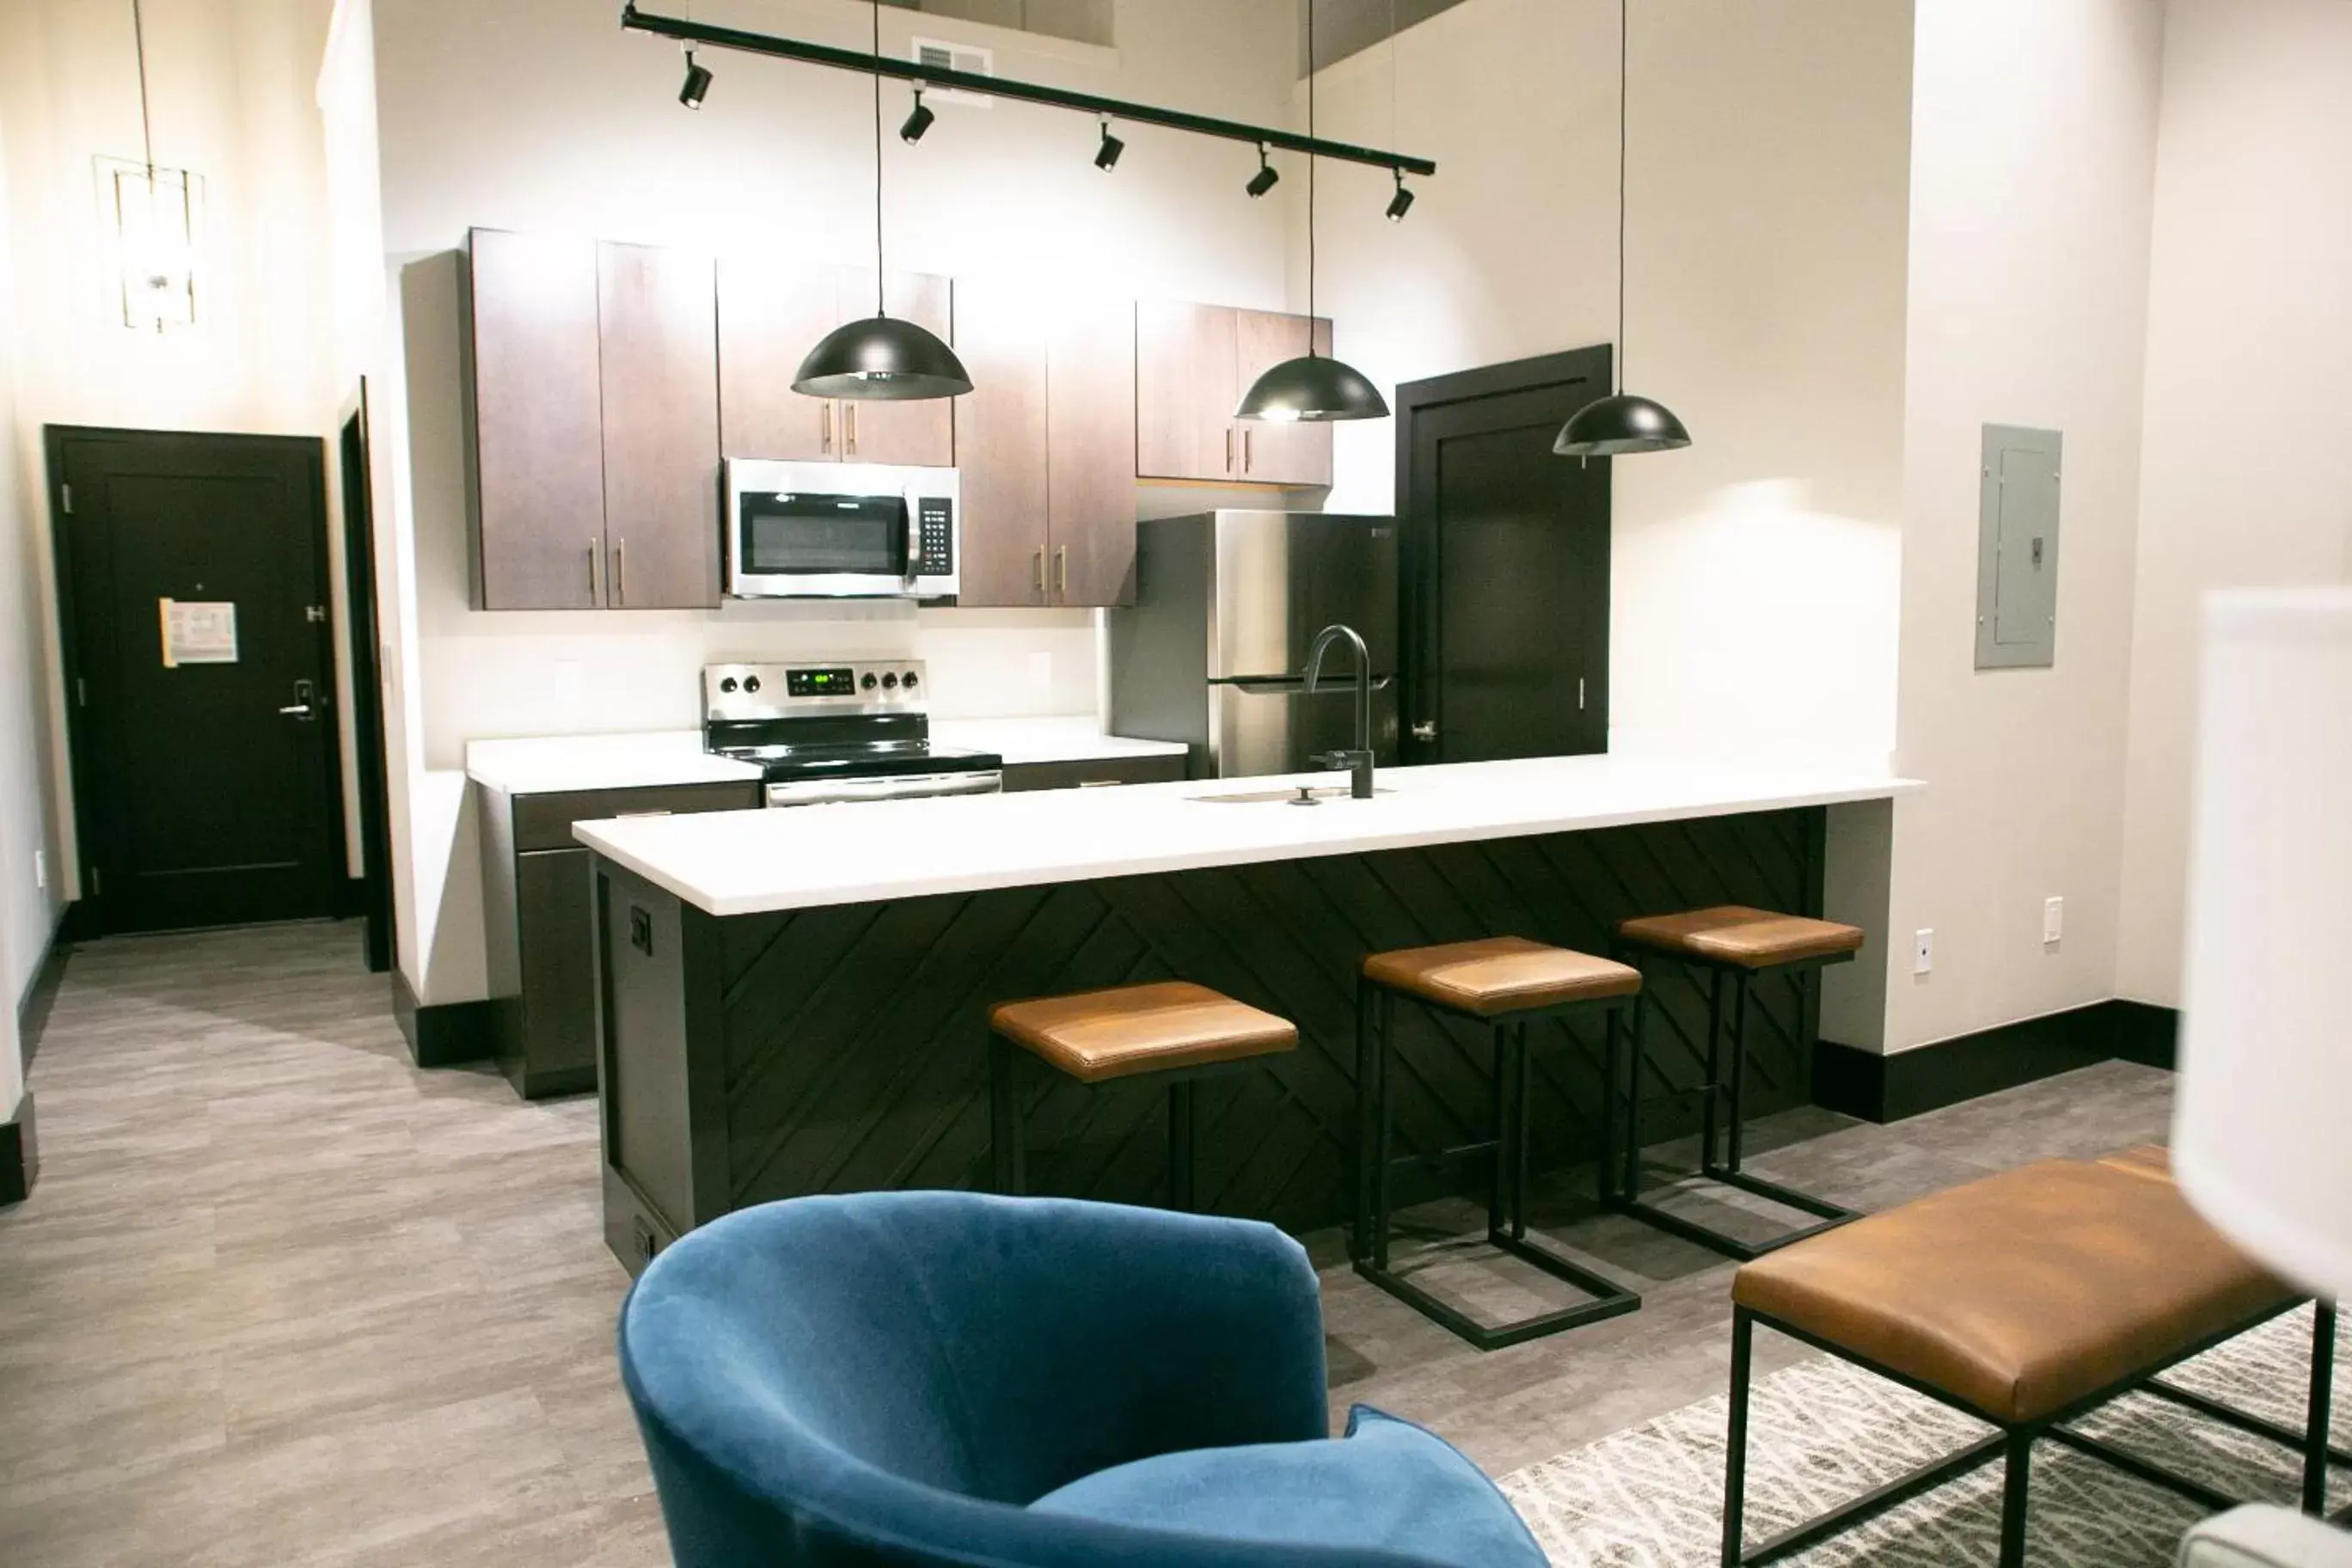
[{"x": 1823, "y": 1433}]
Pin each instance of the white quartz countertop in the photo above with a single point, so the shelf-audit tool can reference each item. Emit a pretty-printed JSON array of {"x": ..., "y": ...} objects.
[
  {"x": 551, "y": 765},
  {"x": 736, "y": 863},
  {"x": 1074, "y": 738}
]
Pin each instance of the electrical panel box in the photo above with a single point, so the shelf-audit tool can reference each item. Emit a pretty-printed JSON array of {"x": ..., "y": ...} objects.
[{"x": 2017, "y": 548}]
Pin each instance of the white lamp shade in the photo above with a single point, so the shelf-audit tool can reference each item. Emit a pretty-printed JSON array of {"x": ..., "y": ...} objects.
[{"x": 2263, "y": 1123}]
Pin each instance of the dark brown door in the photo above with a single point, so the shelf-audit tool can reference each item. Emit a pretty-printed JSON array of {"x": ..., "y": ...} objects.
[
  {"x": 1000, "y": 431},
  {"x": 363, "y": 637},
  {"x": 1090, "y": 444},
  {"x": 659, "y": 355},
  {"x": 1185, "y": 392},
  {"x": 1506, "y": 564},
  {"x": 199, "y": 678},
  {"x": 537, "y": 427}
]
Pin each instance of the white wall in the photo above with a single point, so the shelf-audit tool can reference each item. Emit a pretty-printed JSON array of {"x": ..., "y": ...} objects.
[
  {"x": 2250, "y": 310},
  {"x": 2033, "y": 157},
  {"x": 541, "y": 115},
  {"x": 27, "y": 911},
  {"x": 1754, "y": 574},
  {"x": 230, "y": 83}
]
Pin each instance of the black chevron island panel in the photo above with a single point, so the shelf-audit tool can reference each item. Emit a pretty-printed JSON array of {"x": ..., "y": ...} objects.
[{"x": 845, "y": 1049}]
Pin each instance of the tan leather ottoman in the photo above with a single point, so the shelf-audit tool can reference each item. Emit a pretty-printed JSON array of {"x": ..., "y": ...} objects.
[{"x": 2026, "y": 1299}]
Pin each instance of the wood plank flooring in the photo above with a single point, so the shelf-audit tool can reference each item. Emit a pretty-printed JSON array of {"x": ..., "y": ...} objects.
[{"x": 281, "y": 1297}]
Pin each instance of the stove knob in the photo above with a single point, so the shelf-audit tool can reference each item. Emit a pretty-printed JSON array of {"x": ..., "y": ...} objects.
[
  {"x": 908, "y": 680},
  {"x": 727, "y": 684},
  {"x": 750, "y": 683},
  {"x": 890, "y": 683},
  {"x": 866, "y": 680}
]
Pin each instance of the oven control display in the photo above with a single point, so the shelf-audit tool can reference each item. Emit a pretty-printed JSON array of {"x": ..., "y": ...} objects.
[{"x": 833, "y": 681}]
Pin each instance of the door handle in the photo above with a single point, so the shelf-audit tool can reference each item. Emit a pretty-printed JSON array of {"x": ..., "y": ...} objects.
[
  {"x": 1249, "y": 449},
  {"x": 849, "y": 426},
  {"x": 1038, "y": 570},
  {"x": 824, "y": 425},
  {"x": 596, "y": 574},
  {"x": 1229, "y": 448},
  {"x": 620, "y": 572},
  {"x": 1062, "y": 572},
  {"x": 304, "y": 706},
  {"x": 1425, "y": 730}
]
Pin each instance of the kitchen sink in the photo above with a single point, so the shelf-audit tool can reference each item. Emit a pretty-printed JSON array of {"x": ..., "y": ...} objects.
[{"x": 1289, "y": 796}]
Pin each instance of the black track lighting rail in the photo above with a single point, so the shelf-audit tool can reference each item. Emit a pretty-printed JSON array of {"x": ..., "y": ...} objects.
[{"x": 706, "y": 36}]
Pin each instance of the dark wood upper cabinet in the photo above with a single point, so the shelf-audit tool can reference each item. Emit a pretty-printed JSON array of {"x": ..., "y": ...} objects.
[
  {"x": 534, "y": 422},
  {"x": 660, "y": 377},
  {"x": 1192, "y": 365},
  {"x": 921, "y": 432},
  {"x": 1184, "y": 392},
  {"x": 1046, "y": 436},
  {"x": 768, "y": 319},
  {"x": 1089, "y": 438},
  {"x": 1274, "y": 452},
  {"x": 1000, "y": 430}
]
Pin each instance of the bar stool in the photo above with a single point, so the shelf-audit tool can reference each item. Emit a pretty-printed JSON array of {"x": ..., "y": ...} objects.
[
  {"x": 1731, "y": 942},
  {"x": 1169, "y": 1030},
  {"x": 1503, "y": 983}
]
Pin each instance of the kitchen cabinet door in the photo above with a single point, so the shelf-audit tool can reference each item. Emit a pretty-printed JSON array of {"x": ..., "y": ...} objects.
[
  {"x": 1090, "y": 383},
  {"x": 535, "y": 424},
  {"x": 920, "y": 432},
  {"x": 658, "y": 323},
  {"x": 770, "y": 316},
  {"x": 1278, "y": 452},
  {"x": 1000, "y": 434},
  {"x": 1185, "y": 392}
]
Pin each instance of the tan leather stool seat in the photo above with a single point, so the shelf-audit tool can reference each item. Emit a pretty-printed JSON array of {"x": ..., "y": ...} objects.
[
  {"x": 1733, "y": 933},
  {"x": 1128, "y": 1029},
  {"x": 1500, "y": 974},
  {"x": 2024, "y": 1292}
]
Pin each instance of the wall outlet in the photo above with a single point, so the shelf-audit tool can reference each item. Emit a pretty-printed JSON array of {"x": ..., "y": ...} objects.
[
  {"x": 2054, "y": 920},
  {"x": 1923, "y": 952},
  {"x": 40, "y": 870}
]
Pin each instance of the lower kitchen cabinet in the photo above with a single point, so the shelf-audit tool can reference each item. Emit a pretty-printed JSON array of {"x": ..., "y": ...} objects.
[
  {"x": 1091, "y": 774},
  {"x": 540, "y": 924}
]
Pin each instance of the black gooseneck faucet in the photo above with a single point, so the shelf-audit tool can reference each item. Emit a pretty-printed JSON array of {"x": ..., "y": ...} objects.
[{"x": 1358, "y": 762}]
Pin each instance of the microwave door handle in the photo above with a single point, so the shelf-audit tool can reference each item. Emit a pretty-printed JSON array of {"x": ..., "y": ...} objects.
[{"x": 910, "y": 512}]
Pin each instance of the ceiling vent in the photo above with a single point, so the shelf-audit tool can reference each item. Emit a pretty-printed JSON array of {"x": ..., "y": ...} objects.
[{"x": 970, "y": 58}]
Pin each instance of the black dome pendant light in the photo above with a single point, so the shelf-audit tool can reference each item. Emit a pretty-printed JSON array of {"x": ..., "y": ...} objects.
[
  {"x": 1312, "y": 386},
  {"x": 879, "y": 357},
  {"x": 1623, "y": 424}
]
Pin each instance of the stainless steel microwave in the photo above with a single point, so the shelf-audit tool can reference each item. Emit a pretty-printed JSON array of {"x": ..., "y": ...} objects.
[{"x": 841, "y": 531}]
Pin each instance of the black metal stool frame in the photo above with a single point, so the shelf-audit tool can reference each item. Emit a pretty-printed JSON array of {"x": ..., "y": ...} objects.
[
  {"x": 1506, "y": 1218},
  {"x": 2014, "y": 1441},
  {"x": 1008, "y": 1150},
  {"x": 1623, "y": 1190}
]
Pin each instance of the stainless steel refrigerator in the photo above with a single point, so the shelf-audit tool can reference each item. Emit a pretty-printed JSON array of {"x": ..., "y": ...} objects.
[{"x": 1227, "y": 605}]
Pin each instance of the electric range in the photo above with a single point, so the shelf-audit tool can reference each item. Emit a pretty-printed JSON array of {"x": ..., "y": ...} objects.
[{"x": 829, "y": 732}]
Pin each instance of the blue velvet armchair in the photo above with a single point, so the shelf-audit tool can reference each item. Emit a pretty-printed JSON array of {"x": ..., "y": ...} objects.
[{"x": 914, "y": 1378}]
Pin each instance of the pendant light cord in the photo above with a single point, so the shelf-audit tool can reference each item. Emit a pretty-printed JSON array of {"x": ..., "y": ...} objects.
[
  {"x": 879, "y": 311},
  {"x": 1622, "y": 78},
  {"x": 1310, "y": 180},
  {"x": 146, "y": 120}
]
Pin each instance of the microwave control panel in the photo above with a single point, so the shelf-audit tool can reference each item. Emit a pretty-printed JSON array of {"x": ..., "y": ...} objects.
[{"x": 935, "y": 527}]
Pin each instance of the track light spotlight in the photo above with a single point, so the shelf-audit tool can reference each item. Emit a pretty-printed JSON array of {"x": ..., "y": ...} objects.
[
  {"x": 917, "y": 122},
  {"x": 1263, "y": 181},
  {"x": 1107, "y": 155},
  {"x": 1401, "y": 203},
  {"x": 698, "y": 82}
]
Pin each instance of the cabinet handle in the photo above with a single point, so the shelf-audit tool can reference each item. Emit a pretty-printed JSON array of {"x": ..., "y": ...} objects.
[
  {"x": 849, "y": 425},
  {"x": 621, "y": 573},
  {"x": 1249, "y": 447},
  {"x": 824, "y": 425},
  {"x": 1229, "y": 448},
  {"x": 1038, "y": 570},
  {"x": 1062, "y": 572},
  {"x": 596, "y": 573}
]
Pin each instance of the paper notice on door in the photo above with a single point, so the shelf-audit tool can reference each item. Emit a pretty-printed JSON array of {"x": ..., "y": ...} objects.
[{"x": 198, "y": 632}]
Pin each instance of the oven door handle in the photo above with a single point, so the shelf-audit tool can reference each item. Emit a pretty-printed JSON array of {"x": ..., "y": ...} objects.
[{"x": 905, "y": 786}]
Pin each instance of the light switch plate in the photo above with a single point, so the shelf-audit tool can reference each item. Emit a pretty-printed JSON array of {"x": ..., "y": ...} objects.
[
  {"x": 1923, "y": 952},
  {"x": 2054, "y": 920}
]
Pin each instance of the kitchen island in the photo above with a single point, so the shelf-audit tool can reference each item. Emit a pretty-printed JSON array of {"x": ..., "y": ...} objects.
[{"x": 796, "y": 1002}]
